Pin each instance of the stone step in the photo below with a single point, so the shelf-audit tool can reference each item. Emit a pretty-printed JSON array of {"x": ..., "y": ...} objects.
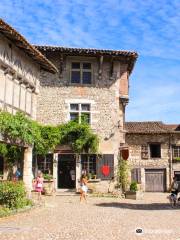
[{"x": 66, "y": 192}]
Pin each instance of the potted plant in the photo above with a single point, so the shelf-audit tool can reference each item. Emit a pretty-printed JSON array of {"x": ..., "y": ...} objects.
[
  {"x": 134, "y": 193},
  {"x": 48, "y": 184}
]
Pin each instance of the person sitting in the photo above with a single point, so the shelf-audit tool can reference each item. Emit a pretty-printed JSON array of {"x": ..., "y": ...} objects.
[{"x": 174, "y": 190}]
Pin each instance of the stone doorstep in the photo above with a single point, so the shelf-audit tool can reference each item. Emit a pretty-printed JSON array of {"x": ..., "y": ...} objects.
[{"x": 66, "y": 192}]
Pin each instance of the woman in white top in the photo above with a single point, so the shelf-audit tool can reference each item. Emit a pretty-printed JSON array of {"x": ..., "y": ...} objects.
[{"x": 84, "y": 188}]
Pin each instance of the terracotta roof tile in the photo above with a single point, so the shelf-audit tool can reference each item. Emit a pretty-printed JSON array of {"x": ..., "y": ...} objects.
[
  {"x": 131, "y": 56},
  {"x": 174, "y": 127},
  {"x": 147, "y": 127}
]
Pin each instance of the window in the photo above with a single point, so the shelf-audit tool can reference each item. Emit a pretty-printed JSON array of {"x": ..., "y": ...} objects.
[
  {"x": 45, "y": 163},
  {"x": 176, "y": 151},
  {"x": 81, "y": 73},
  {"x": 144, "y": 152},
  {"x": 136, "y": 175},
  {"x": 177, "y": 175},
  {"x": 88, "y": 164},
  {"x": 80, "y": 112},
  {"x": 155, "y": 150}
]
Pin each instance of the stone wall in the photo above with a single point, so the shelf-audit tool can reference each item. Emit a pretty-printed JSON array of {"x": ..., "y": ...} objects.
[
  {"x": 135, "y": 141},
  {"x": 56, "y": 93},
  {"x": 107, "y": 112},
  {"x": 175, "y": 140}
]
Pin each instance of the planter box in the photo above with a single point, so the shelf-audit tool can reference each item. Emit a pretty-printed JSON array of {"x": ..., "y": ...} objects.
[
  {"x": 138, "y": 195},
  {"x": 48, "y": 186}
]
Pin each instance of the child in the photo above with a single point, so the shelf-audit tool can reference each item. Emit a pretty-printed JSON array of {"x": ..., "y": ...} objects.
[{"x": 39, "y": 185}]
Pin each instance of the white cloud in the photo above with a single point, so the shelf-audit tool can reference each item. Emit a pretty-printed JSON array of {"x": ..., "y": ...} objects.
[{"x": 149, "y": 27}]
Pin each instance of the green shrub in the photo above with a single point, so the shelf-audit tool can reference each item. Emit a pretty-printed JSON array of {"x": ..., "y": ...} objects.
[
  {"x": 48, "y": 177},
  {"x": 133, "y": 186},
  {"x": 4, "y": 212},
  {"x": 13, "y": 195}
]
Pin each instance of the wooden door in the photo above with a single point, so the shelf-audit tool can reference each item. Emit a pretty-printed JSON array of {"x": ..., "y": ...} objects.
[
  {"x": 155, "y": 180},
  {"x": 66, "y": 163}
]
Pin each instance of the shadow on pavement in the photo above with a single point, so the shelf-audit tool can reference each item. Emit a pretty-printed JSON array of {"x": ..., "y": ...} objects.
[{"x": 134, "y": 206}]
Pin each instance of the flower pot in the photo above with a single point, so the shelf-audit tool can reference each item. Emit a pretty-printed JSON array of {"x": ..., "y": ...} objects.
[
  {"x": 48, "y": 186},
  {"x": 138, "y": 195}
]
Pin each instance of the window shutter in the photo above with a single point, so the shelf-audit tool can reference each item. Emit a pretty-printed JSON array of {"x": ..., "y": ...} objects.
[
  {"x": 105, "y": 167},
  {"x": 136, "y": 175},
  {"x": 144, "y": 152}
]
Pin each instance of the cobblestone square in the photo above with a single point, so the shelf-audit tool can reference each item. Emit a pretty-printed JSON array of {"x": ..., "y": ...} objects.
[{"x": 64, "y": 217}]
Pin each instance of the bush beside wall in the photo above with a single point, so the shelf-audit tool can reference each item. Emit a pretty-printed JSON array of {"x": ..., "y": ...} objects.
[{"x": 13, "y": 195}]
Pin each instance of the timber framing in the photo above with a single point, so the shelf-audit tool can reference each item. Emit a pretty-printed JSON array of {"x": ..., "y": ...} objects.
[{"x": 23, "y": 44}]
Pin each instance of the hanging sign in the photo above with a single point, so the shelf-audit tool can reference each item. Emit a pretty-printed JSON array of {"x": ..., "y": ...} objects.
[{"x": 125, "y": 153}]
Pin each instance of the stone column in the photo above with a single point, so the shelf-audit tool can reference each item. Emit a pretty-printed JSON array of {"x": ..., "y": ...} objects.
[
  {"x": 27, "y": 169},
  {"x": 55, "y": 166},
  {"x": 78, "y": 171}
]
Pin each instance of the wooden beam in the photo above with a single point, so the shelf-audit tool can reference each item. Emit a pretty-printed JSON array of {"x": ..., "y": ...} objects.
[
  {"x": 61, "y": 66},
  {"x": 111, "y": 68},
  {"x": 101, "y": 58}
]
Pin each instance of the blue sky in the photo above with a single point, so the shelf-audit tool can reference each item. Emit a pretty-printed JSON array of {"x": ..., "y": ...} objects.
[{"x": 149, "y": 27}]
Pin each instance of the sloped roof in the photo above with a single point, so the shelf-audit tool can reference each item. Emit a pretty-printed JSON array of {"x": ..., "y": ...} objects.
[
  {"x": 23, "y": 44},
  {"x": 147, "y": 127},
  {"x": 174, "y": 127},
  {"x": 130, "y": 56}
]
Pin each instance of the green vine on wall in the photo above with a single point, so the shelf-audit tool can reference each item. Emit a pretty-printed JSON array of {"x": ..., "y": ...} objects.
[
  {"x": 20, "y": 130},
  {"x": 123, "y": 174}
]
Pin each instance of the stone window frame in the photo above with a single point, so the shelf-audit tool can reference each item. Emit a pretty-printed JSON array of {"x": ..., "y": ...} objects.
[
  {"x": 155, "y": 143},
  {"x": 80, "y": 111},
  {"x": 146, "y": 152},
  {"x": 81, "y": 59},
  {"x": 178, "y": 151}
]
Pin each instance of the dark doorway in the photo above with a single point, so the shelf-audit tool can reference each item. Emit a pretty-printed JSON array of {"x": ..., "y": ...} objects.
[{"x": 66, "y": 171}]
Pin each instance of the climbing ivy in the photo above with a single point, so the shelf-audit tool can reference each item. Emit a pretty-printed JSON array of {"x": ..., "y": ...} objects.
[
  {"x": 20, "y": 130},
  {"x": 79, "y": 136}
]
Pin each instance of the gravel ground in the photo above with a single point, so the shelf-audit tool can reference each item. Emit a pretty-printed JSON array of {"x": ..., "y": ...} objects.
[{"x": 64, "y": 217}]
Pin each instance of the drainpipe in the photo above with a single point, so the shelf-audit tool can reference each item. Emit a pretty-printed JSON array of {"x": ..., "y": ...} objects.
[{"x": 170, "y": 160}]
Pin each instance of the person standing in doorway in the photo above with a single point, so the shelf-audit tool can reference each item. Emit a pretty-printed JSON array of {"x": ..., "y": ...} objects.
[{"x": 73, "y": 177}]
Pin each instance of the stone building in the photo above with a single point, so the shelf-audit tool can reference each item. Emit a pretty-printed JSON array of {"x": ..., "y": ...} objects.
[
  {"x": 154, "y": 154},
  {"x": 91, "y": 84},
  {"x": 20, "y": 65}
]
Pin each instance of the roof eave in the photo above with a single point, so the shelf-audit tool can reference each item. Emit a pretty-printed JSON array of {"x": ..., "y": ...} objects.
[
  {"x": 131, "y": 56},
  {"x": 30, "y": 50}
]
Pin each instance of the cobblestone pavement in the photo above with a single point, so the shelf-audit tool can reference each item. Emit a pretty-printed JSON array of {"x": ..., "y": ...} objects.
[{"x": 63, "y": 217}]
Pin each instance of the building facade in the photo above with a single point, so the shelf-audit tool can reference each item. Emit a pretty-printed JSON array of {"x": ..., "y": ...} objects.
[
  {"x": 20, "y": 65},
  {"x": 154, "y": 154},
  {"x": 92, "y": 85}
]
